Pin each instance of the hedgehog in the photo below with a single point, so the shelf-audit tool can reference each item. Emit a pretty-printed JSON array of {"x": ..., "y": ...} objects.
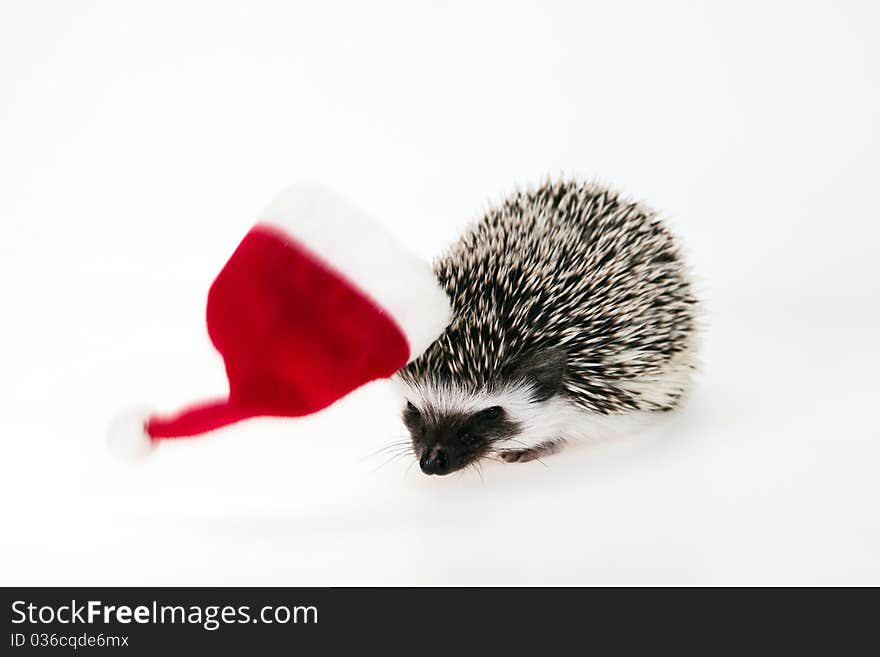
[{"x": 573, "y": 318}]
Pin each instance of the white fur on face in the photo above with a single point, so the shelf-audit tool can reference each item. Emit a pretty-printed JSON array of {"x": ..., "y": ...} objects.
[{"x": 556, "y": 419}]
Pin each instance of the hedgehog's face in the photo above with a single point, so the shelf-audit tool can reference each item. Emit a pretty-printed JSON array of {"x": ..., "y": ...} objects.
[
  {"x": 446, "y": 442},
  {"x": 453, "y": 426}
]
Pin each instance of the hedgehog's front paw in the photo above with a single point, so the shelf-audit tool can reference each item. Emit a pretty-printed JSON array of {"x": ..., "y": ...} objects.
[
  {"x": 531, "y": 453},
  {"x": 516, "y": 455}
]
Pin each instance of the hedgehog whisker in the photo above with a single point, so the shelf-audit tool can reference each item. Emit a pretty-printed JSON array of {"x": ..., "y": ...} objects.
[
  {"x": 388, "y": 447},
  {"x": 479, "y": 469},
  {"x": 406, "y": 472},
  {"x": 393, "y": 458}
]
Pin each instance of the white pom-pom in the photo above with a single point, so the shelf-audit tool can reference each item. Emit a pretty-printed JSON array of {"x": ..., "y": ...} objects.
[{"x": 127, "y": 437}]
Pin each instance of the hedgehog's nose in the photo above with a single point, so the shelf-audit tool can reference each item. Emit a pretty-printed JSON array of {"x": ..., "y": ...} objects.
[{"x": 434, "y": 461}]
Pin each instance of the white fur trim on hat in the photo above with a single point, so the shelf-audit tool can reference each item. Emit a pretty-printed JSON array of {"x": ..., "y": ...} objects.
[
  {"x": 371, "y": 259},
  {"x": 127, "y": 437}
]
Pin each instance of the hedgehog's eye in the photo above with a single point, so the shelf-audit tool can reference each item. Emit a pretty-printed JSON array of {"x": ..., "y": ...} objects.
[
  {"x": 491, "y": 413},
  {"x": 411, "y": 408}
]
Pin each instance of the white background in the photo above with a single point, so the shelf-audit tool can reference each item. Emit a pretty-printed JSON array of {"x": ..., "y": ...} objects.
[{"x": 138, "y": 141}]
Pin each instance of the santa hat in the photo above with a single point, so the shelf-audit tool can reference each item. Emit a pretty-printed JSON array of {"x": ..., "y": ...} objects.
[{"x": 316, "y": 301}]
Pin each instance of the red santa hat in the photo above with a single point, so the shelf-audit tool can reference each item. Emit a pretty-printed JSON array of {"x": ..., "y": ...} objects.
[{"x": 316, "y": 301}]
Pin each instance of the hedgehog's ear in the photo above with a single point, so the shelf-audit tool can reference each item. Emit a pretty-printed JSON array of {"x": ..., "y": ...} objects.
[{"x": 543, "y": 370}]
